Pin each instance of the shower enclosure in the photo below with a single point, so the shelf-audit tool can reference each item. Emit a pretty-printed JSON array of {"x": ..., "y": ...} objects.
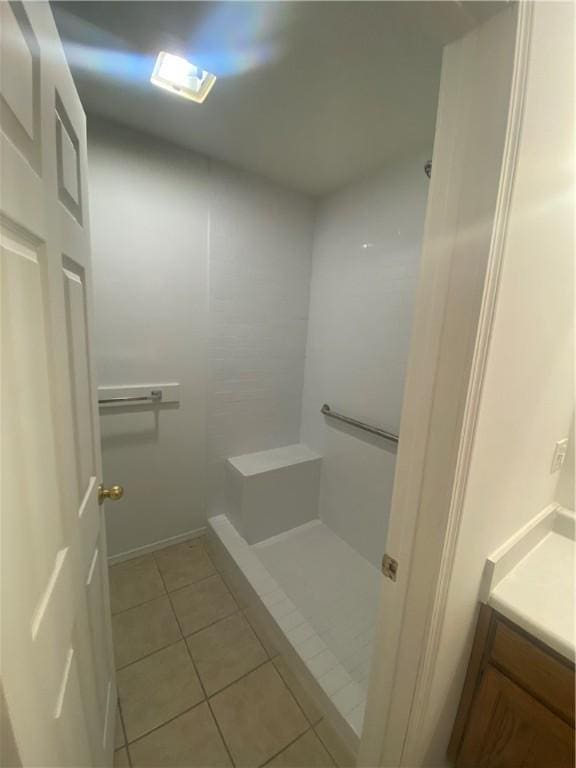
[{"x": 299, "y": 528}]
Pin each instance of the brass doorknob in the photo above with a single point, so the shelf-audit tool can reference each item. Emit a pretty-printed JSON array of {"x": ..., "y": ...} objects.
[{"x": 114, "y": 493}]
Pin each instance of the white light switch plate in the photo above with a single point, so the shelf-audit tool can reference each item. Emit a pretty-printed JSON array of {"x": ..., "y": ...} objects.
[{"x": 559, "y": 454}]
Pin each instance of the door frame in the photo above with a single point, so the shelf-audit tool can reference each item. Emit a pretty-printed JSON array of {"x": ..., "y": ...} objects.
[{"x": 432, "y": 471}]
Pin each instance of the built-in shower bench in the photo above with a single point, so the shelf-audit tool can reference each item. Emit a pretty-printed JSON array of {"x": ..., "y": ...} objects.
[{"x": 272, "y": 491}]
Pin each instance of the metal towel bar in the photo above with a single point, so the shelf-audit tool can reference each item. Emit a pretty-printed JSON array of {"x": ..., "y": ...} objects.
[
  {"x": 154, "y": 397},
  {"x": 327, "y": 411}
]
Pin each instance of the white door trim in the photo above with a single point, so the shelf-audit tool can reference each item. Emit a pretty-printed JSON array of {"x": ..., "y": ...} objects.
[
  {"x": 412, "y": 753},
  {"x": 412, "y": 610}
]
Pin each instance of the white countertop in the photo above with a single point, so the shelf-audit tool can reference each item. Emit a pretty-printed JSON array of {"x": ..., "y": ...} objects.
[{"x": 538, "y": 591}]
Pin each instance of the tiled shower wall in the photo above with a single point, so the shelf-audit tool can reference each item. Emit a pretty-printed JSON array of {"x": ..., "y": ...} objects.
[
  {"x": 201, "y": 276},
  {"x": 367, "y": 245},
  {"x": 260, "y": 245}
]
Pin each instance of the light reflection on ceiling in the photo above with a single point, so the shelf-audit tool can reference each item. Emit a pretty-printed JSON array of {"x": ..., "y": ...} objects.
[{"x": 230, "y": 39}]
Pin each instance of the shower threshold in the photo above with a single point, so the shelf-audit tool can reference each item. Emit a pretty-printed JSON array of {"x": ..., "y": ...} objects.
[{"x": 316, "y": 599}]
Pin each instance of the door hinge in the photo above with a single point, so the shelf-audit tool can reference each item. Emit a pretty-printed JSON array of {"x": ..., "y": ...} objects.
[{"x": 389, "y": 567}]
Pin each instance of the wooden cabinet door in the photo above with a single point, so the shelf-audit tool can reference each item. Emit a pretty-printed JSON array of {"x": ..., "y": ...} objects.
[{"x": 509, "y": 729}]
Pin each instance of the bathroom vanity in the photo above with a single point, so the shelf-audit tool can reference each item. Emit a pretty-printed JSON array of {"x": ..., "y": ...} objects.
[{"x": 517, "y": 704}]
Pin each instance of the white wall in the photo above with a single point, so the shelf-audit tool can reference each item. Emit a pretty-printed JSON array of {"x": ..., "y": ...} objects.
[
  {"x": 528, "y": 393},
  {"x": 365, "y": 267},
  {"x": 173, "y": 233},
  {"x": 260, "y": 263},
  {"x": 149, "y": 217}
]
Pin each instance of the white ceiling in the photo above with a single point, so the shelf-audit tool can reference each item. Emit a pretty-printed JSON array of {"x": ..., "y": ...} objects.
[{"x": 310, "y": 94}]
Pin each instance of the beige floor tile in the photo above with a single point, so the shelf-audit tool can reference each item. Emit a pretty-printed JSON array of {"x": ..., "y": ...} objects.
[
  {"x": 143, "y": 630},
  {"x": 190, "y": 741},
  {"x": 118, "y": 731},
  {"x": 134, "y": 582},
  {"x": 202, "y": 604},
  {"x": 303, "y": 698},
  {"x": 225, "y": 651},
  {"x": 334, "y": 743},
  {"x": 254, "y": 617},
  {"x": 258, "y": 716},
  {"x": 306, "y": 752},
  {"x": 157, "y": 688},
  {"x": 121, "y": 758},
  {"x": 184, "y": 564}
]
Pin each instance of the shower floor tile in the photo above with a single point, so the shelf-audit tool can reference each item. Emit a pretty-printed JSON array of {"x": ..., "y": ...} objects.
[
  {"x": 334, "y": 587},
  {"x": 320, "y": 598}
]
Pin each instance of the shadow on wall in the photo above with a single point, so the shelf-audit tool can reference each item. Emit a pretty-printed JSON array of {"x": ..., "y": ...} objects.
[{"x": 145, "y": 432}]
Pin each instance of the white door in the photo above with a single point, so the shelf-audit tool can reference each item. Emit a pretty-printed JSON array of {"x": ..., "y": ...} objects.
[{"x": 57, "y": 663}]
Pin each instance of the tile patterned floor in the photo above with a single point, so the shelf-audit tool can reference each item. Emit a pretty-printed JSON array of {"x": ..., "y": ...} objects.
[{"x": 197, "y": 687}]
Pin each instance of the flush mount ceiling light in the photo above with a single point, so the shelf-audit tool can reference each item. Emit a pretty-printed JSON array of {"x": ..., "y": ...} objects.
[{"x": 182, "y": 77}]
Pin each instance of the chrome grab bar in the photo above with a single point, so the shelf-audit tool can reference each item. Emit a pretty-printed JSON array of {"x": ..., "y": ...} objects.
[
  {"x": 327, "y": 411},
  {"x": 155, "y": 396}
]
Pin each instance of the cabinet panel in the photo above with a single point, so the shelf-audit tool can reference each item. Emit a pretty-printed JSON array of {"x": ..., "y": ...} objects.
[
  {"x": 509, "y": 729},
  {"x": 538, "y": 671}
]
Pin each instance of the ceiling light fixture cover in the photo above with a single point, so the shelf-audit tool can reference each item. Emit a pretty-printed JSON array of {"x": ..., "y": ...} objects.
[{"x": 181, "y": 77}]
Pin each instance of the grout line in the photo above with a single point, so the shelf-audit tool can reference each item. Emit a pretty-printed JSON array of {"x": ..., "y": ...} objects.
[
  {"x": 344, "y": 663},
  {"x": 166, "y": 722},
  {"x": 139, "y": 605},
  {"x": 147, "y": 655},
  {"x": 212, "y": 624},
  {"x": 338, "y": 737},
  {"x": 229, "y": 685},
  {"x": 159, "y": 572},
  {"x": 270, "y": 658},
  {"x": 321, "y": 740},
  {"x": 167, "y": 592},
  {"x": 204, "y": 699},
  {"x": 284, "y": 748},
  {"x": 291, "y": 692},
  {"x": 123, "y": 726},
  {"x": 169, "y": 645},
  {"x": 254, "y": 630},
  {"x": 207, "y": 699},
  {"x": 182, "y": 638},
  {"x": 287, "y": 684},
  {"x": 217, "y": 724},
  {"x": 194, "y": 583}
]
